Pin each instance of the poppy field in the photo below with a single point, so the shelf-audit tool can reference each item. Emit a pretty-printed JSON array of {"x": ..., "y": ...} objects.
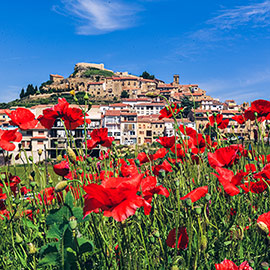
[{"x": 191, "y": 201}]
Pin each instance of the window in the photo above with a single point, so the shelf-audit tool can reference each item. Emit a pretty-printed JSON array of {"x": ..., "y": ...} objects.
[
  {"x": 149, "y": 133},
  {"x": 41, "y": 133},
  {"x": 132, "y": 132},
  {"x": 39, "y": 142}
]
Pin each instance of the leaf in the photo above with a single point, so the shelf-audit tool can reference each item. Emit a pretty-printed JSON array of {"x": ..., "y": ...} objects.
[
  {"x": 78, "y": 214},
  {"x": 49, "y": 248},
  {"x": 30, "y": 224},
  {"x": 54, "y": 232},
  {"x": 57, "y": 216},
  {"x": 69, "y": 200},
  {"x": 50, "y": 259},
  {"x": 84, "y": 245}
]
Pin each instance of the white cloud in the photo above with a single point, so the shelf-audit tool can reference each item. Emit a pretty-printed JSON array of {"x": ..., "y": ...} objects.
[
  {"x": 220, "y": 27},
  {"x": 258, "y": 14},
  {"x": 99, "y": 16}
]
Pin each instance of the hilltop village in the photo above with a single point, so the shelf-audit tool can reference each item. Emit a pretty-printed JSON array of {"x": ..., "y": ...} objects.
[{"x": 131, "y": 111}]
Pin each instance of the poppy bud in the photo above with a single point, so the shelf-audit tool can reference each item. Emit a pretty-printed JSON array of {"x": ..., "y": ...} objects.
[
  {"x": 32, "y": 248},
  {"x": 33, "y": 173},
  {"x": 251, "y": 263},
  {"x": 18, "y": 156},
  {"x": 146, "y": 151},
  {"x": 59, "y": 158},
  {"x": 50, "y": 181},
  {"x": 203, "y": 242},
  {"x": 18, "y": 238},
  {"x": 75, "y": 99},
  {"x": 174, "y": 267},
  {"x": 162, "y": 173},
  {"x": 207, "y": 196},
  {"x": 40, "y": 152},
  {"x": 262, "y": 226},
  {"x": 86, "y": 97},
  {"x": 30, "y": 158},
  {"x": 265, "y": 265},
  {"x": 255, "y": 114},
  {"x": 198, "y": 209},
  {"x": 188, "y": 202},
  {"x": 73, "y": 223},
  {"x": 60, "y": 186},
  {"x": 71, "y": 155},
  {"x": 137, "y": 162},
  {"x": 80, "y": 171}
]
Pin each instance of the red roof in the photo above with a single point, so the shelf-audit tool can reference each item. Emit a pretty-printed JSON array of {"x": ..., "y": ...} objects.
[
  {"x": 119, "y": 105},
  {"x": 112, "y": 113},
  {"x": 39, "y": 137},
  {"x": 149, "y": 104},
  {"x": 95, "y": 83},
  {"x": 56, "y": 76}
]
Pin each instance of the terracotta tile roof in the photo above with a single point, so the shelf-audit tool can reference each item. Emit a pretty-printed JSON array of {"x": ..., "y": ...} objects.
[
  {"x": 129, "y": 113},
  {"x": 135, "y": 99},
  {"x": 119, "y": 105},
  {"x": 112, "y": 113},
  {"x": 150, "y": 104},
  {"x": 39, "y": 137},
  {"x": 56, "y": 76},
  {"x": 95, "y": 83},
  {"x": 124, "y": 78}
]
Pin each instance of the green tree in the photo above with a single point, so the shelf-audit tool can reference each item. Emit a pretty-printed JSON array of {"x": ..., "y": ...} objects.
[
  {"x": 22, "y": 94},
  {"x": 147, "y": 75},
  {"x": 124, "y": 94},
  {"x": 188, "y": 105}
]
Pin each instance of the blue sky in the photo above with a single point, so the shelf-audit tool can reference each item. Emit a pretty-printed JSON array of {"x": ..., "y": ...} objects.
[{"x": 222, "y": 45}]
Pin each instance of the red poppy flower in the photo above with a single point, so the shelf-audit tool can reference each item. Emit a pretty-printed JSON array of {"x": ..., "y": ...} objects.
[
  {"x": 165, "y": 166},
  {"x": 222, "y": 124},
  {"x": 261, "y": 107},
  {"x": 99, "y": 136},
  {"x": 23, "y": 118},
  {"x": 196, "y": 194},
  {"x": 129, "y": 170},
  {"x": 265, "y": 220},
  {"x": 116, "y": 197},
  {"x": 10, "y": 180},
  {"x": 229, "y": 265},
  {"x": 160, "y": 153},
  {"x": 167, "y": 112},
  {"x": 255, "y": 187},
  {"x": 188, "y": 131},
  {"x": 149, "y": 188},
  {"x": 72, "y": 117},
  {"x": 182, "y": 241},
  {"x": 223, "y": 157},
  {"x": 62, "y": 168},
  {"x": 46, "y": 195},
  {"x": 240, "y": 119},
  {"x": 264, "y": 173},
  {"x": 229, "y": 181},
  {"x": 9, "y": 136},
  {"x": 197, "y": 144},
  {"x": 167, "y": 142}
]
